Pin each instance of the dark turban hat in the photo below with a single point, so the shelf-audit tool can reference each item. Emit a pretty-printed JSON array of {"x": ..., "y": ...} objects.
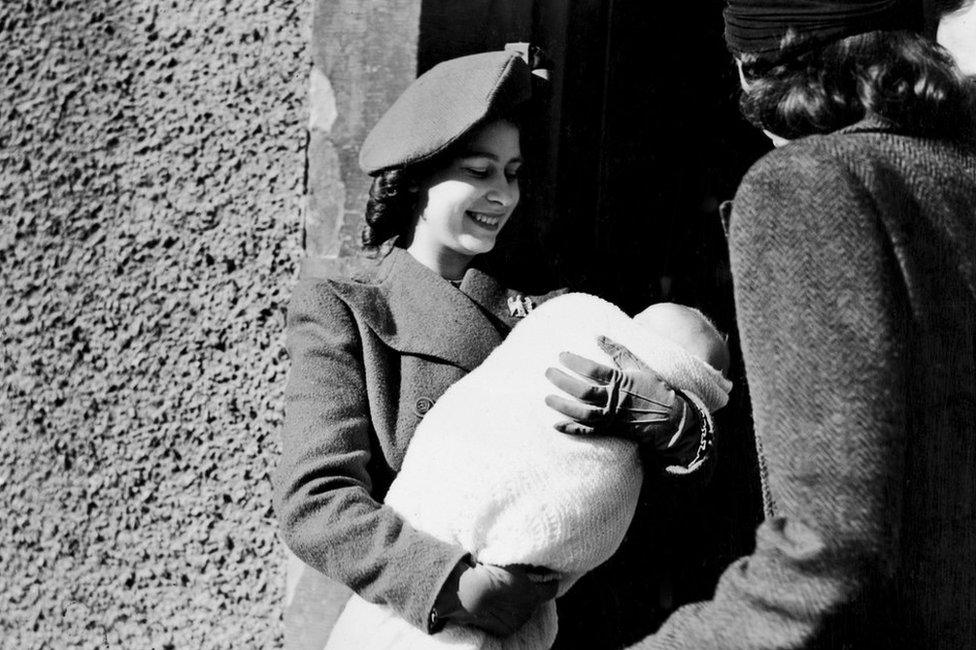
[
  {"x": 442, "y": 105},
  {"x": 758, "y": 26}
]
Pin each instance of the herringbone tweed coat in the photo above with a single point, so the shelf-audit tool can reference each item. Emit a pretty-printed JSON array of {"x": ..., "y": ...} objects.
[
  {"x": 369, "y": 356},
  {"x": 853, "y": 258}
]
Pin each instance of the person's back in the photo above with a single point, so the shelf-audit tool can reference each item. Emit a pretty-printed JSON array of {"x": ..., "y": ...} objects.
[
  {"x": 851, "y": 250},
  {"x": 931, "y": 220},
  {"x": 910, "y": 202}
]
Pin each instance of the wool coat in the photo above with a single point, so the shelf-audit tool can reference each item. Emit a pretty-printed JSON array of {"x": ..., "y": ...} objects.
[
  {"x": 370, "y": 355},
  {"x": 854, "y": 261}
]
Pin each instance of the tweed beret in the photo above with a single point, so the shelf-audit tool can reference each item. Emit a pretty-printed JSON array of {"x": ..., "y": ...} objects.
[{"x": 441, "y": 105}]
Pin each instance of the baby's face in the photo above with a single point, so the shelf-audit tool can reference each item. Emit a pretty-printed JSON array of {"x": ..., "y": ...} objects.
[{"x": 688, "y": 328}]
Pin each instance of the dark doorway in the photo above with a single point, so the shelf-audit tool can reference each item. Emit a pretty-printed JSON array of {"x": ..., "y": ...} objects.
[{"x": 648, "y": 143}]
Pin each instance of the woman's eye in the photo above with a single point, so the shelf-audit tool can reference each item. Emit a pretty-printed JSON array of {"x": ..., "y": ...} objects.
[
  {"x": 477, "y": 172},
  {"x": 512, "y": 174}
]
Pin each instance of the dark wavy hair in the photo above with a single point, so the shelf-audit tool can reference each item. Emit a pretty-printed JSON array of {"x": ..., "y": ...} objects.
[
  {"x": 390, "y": 207},
  {"x": 900, "y": 77}
]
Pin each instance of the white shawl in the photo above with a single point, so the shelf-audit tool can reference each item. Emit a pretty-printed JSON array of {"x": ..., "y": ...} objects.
[{"x": 486, "y": 471}]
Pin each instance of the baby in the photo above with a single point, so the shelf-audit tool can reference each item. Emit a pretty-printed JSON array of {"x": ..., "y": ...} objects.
[{"x": 487, "y": 471}]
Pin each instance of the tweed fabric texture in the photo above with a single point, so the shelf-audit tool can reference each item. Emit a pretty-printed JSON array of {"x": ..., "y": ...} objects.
[
  {"x": 853, "y": 260},
  {"x": 442, "y": 105},
  {"x": 487, "y": 471},
  {"x": 368, "y": 355}
]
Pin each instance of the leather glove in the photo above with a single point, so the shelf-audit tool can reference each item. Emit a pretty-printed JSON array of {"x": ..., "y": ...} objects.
[
  {"x": 498, "y": 600},
  {"x": 628, "y": 400}
]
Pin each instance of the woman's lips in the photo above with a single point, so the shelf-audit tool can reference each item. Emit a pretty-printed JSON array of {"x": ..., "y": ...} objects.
[{"x": 487, "y": 221}]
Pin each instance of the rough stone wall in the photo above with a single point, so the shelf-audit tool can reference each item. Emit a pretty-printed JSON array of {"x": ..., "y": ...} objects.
[
  {"x": 151, "y": 181},
  {"x": 364, "y": 55}
]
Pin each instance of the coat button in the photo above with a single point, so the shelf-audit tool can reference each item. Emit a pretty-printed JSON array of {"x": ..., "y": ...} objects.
[{"x": 422, "y": 405}]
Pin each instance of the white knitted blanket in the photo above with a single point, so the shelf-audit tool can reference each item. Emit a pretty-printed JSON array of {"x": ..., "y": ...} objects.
[{"x": 486, "y": 471}]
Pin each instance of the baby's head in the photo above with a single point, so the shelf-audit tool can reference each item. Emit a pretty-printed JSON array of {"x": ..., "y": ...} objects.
[{"x": 688, "y": 328}]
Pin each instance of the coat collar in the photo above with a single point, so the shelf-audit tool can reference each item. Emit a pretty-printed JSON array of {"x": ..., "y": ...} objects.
[
  {"x": 962, "y": 232},
  {"x": 415, "y": 311},
  {"x": 870, "y": 124},
  {"x": 491, "y": 296}
]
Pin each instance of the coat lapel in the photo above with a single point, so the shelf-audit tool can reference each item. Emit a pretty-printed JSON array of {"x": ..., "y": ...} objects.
[
  {"x": 490, "y": 295},
  {"x": 505, "y": 306},
  {"x": 415, "y": 311}
]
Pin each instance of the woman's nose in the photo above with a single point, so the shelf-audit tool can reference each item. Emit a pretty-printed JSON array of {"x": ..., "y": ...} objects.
[{"x": 503, "y": 191}]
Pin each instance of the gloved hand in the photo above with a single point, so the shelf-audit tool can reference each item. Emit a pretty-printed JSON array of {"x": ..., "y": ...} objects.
[
  {"x": 629, "y": 400},
  {"x": 496, "y": 599}
]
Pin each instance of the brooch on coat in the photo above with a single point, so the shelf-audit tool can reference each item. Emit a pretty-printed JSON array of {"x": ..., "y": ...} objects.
[{"x": 519, "y": 306}]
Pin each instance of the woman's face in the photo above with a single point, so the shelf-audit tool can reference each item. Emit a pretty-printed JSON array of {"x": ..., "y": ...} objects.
[{"x": 465, "y": 204}]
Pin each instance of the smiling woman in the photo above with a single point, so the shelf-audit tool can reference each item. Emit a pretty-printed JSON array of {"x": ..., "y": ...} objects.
[
  {"x": 371, "y": 353},
  {"x": 465, "y": 204}
]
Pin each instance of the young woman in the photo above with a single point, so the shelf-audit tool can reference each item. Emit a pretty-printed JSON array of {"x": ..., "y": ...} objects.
[
  {"x": 852, "y": 249},
  {"x": 371, "y": 353}
]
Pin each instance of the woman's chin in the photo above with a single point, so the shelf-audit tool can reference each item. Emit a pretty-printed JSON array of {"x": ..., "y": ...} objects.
[{"x": 476, "y": 245}]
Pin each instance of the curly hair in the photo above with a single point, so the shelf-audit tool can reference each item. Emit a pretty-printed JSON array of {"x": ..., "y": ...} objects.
[
  {"x": 389, "y": 208},
  {"x": 901, "y": 77}
]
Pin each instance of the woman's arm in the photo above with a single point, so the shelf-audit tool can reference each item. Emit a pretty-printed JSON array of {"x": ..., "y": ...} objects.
[
  {"x": 823, "y": 319},
  {"x": 328, "y": 516}
]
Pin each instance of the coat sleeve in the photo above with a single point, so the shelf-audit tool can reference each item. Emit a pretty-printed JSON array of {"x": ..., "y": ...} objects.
[
  {"x": 823, "y": 315},
  {"x": 328, "y": 517}
]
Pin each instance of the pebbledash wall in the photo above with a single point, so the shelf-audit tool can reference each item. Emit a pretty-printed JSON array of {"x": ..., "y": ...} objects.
[
  {"x": 163, "y": 165},
  {"x": 152, "y": 163}
]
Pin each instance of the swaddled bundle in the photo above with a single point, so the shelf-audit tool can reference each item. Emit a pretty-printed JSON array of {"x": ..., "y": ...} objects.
[{"x": 487, "y": 471}]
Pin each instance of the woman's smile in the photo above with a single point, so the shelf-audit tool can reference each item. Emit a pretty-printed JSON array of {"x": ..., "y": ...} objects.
[{"x": 491, "y": 222}]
